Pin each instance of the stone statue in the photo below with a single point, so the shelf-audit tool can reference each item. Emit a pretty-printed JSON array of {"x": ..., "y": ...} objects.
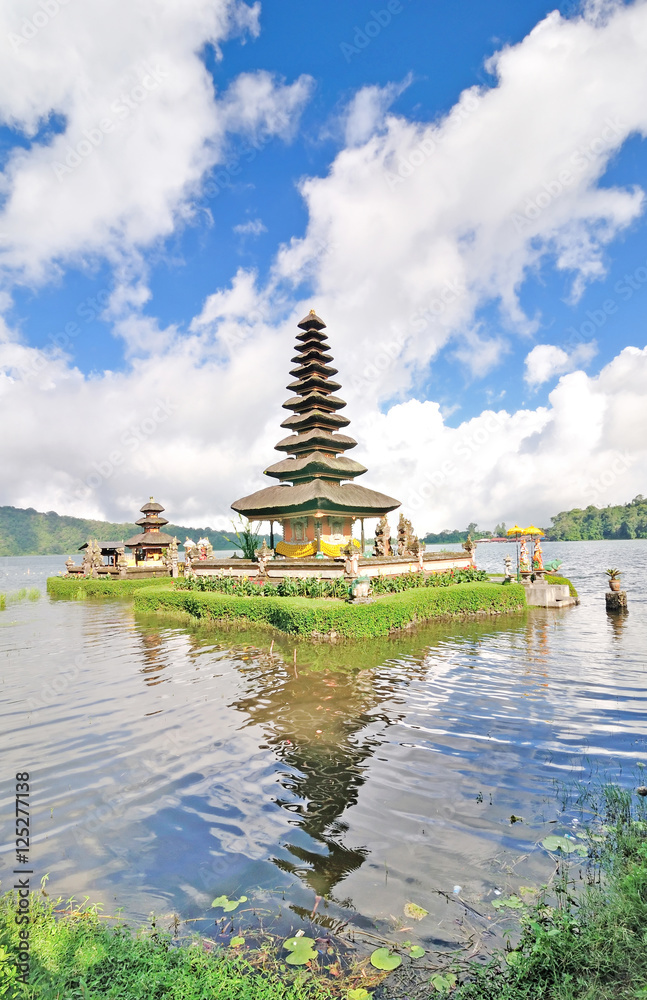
[
  {"x": 263, "y": 555},
  {"x": 537, "y": 558},
  {"x": 470, "y": 548},
  {"x": 122, "y": 563},
  {"x": 69, "y": 564},
  {"x": 188, "y": 568},
  {"x": 382, "y": 545},
  {"x": 407, "y": 542},
  {"x": 507, "y": 563},
  {"x": 524, "y": 561}
]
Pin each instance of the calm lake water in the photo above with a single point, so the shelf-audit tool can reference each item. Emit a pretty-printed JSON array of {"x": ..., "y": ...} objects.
[{"x": 171, "y": 765}]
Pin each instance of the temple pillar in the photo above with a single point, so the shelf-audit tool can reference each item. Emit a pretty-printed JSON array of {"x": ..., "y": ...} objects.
[
  {"x": 271, "y": 534},
  {"x": 362, "y": 542},
  {"x": 318, "y": 534}
]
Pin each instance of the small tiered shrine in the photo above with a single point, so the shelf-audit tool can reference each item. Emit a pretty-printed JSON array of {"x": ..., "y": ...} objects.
[
  {"x": 151, "y": 543},
  {"x": 317, "y": 511}
]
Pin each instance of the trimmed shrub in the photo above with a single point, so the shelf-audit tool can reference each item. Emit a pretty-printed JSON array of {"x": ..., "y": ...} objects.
[
  {"x": 303, "y": 616},
  {"x": 551, "y": 578},
  {"x": 59, "y": 586}
]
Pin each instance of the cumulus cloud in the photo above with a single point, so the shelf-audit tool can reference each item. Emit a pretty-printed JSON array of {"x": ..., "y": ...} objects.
[
  {"x": 545, "y": 361},
  {"x": 413, "y": 231},
  {"x": 427, "y": 223},
  {"x": 133, "y": 123}
]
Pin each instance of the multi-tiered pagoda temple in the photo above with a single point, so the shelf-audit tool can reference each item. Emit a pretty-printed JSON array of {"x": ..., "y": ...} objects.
[
  {"x": 152, "y": 542},
  {"x": 318, "y": 510}
]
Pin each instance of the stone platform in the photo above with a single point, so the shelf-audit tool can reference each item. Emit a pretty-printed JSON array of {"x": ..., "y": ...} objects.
[
  {"x": 332, "y": 569},
  {"x": 540, "y": 594}
]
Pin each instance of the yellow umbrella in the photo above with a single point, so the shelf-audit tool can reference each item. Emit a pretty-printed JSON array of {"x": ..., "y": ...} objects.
[
  {"x": 515, "y": 531},
  {"x": 532, "y": 530}
]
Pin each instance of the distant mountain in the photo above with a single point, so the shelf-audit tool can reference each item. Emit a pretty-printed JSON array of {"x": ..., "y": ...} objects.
[{"x": 29, "y": 532}]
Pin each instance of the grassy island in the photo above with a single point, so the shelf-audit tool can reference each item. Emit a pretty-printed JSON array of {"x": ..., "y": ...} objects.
[
  {"x": 334, "y": 617},
  {"x": 408, "y": 601}
]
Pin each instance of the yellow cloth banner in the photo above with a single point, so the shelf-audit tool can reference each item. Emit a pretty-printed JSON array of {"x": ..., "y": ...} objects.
[{"x": 296, "y": 551}]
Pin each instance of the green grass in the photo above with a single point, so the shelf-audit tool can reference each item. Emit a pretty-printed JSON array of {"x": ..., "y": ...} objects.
[
  {"x": 74, "y": 589},
  {"x": 592, "y": 943},
  {"x": 33, "y": 594},
  {"x": 551, "y": 578},
  {"x": 305, "y": 616},
  {"x": 77, "y": 956}
]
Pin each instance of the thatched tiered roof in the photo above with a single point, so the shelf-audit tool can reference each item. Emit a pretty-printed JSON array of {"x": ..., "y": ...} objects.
[{"x": 318, "y": 465}]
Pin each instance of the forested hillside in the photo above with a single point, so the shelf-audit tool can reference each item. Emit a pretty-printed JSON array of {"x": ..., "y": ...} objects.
[
  {"x": 28, "y": 532},
  {"x": 623, "y": 521}
]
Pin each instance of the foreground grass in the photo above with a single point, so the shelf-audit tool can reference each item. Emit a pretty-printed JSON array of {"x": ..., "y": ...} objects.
[
  {"x": 593, "y": 944},
  {"x": 78, "y": 956},
  {"x": 78, "y": 589},
  {"x": 317, "y": 617}
]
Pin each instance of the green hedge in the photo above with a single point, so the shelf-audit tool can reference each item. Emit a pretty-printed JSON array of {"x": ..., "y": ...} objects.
[
  {"x": 551, "y": 578},
  {"x": 60, "y": 586},
  {"x": 303, "y": 616}
]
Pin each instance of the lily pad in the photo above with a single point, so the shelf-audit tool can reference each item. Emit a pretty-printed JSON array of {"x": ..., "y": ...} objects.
[
  {"x": 301, "y": 950},
  {"x": 417, "y": 951},
  {"x": 443, "y": 982},
  {"x": 359, "y": 994},
  {"x": 415, "y": 912},
  {"x": 385, "y": 960},
  {"x": 554, "y": 842},
  {"x": 511, "y": 901},
  {"x": 236, "y": 942},
  {"x": 228, "y": 904}
]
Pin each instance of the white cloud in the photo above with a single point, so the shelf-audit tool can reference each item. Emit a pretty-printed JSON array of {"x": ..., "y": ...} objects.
[
  {"x": 142, "y": 124},
  {"x": 428, "y": 223},
  {"x": 252, "y": 228},
  {"x": 413, "y": 230},
  {"x": 545, "y": 361},
  {"x": 365, "y": 113}
]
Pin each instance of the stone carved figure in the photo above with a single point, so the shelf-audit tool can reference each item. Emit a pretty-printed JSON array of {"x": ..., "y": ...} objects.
[
  {"x": 262, "y": 556},
  {"x": 382, "y": 545},
  {"x": 470, "y": 548},
  {"x": 507, "y": 563},
  {"x": 170, "y": 560},
  {"x": 69, "y": 564},
  {"x": 122, "y": 563},
  {"x": 408, "y": 544}
]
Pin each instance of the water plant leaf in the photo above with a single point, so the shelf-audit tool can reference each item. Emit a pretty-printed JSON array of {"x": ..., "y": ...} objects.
[
  {"x": 236, "y": 942},
  {"x": 512, "y": 901},
  {"x": 301, "y": 950},
  {"x": 385, "y": 960},
  {"x": 514, "y": 958},
  {"x": 415, "y": 912},
  {"x": 358, "y": 994},
  {"x": 443, "y": 983},
  {"x": 228, "y": 904},
  {"x": 555, "y": 842},
  {"x": 417, "y": 951}
]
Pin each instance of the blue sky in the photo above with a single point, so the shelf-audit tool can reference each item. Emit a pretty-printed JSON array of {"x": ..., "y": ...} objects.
[{"x": 222, "y": 200}]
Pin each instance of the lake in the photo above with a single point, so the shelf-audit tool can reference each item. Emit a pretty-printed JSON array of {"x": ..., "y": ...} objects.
[{"x": 171, "y": 765}]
